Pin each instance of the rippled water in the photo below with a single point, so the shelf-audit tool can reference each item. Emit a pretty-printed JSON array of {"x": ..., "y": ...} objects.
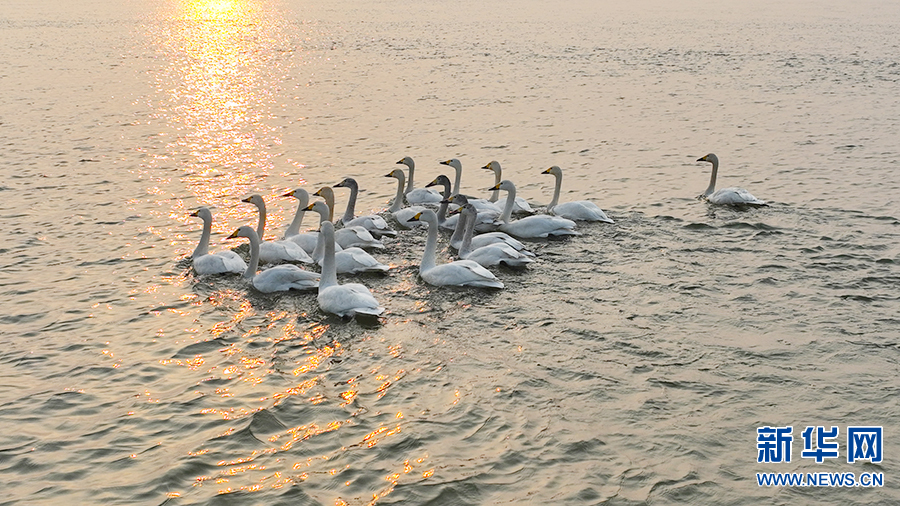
[{"x": 629, "y": 365}]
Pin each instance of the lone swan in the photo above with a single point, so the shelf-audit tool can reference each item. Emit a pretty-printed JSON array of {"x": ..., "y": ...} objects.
[{"x": 726, "y": 196}]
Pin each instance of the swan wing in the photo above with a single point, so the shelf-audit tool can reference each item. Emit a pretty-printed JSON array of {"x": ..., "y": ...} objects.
[
  {"x": 359, "y": 237},
  {"x": 219, "y": 263},
  {"x": 521, "y": 206},
  {"x": 499, "y": 253},
  {"x": 403, "y": 215},
  {"x": 540, "y": 226},
  {"x": 461, "y": 273},
  {"x": 374, "y": 224},
  {"x": 348, "y": 300},
  {"x": 580, "y": 210},
  {"x": 423, "y": 196},
  {"x": 355, "y": 260},
  {"x": 273, "y": 252},
  {"x": 282, "y": 278},
  {"x": 735, "y": 197}
]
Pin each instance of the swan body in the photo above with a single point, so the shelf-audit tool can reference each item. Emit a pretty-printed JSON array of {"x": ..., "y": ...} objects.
[
  {"x": 347, "y": 237},
  {"x": 486, "y": 221},
  {"x": 348, "y": 300},
  {"x": 348, "y": 261},
  {"x": 531, "y": 227},
  {"x": 486, "y": 238},
  {"x": 458, "y": 273},
  {"x": 726, "y": 196},
  {"x": 216, "y": 263},
  {"x": 400, "y": 213},
  {"x": 417, "y": 195},
  {"x": 490, "y": 255},
  {"x": 520, "y": 205},
  {"x": 480, "y": 204},
  {"x": 275, "y": 252},
  {"x": 279, "y": 278},
  {"x": 373, "y": 223},
  {"x": 578, "y": 210}
]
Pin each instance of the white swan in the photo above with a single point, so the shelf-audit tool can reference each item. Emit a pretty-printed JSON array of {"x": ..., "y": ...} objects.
[
  {"x": 348, "y": 300},
  {"x": 417, "y": 195},
  {"x": 492, "y": 254},
  {"x": 485, "y": 238},
  {"x": 480, "y": 204},
  {"x": 373, "y": 223},
  {"x": 578, "y": 210},
  {"x": 347, "y": 237},
  {"x": 458, "y": 273},
  {"x": 274, "y": 252},
  {"x": 521, "y": 205},
  {"x": 217, "y": 263},
  {"x": 400, "y": 213},
  {"x": 349, "y": 261},
  {"x": 531, "y": 227},
  {"x": 306, "y": 240},
  {"x": 279, "y": 278},
  {"x": 726, "y": 196}
]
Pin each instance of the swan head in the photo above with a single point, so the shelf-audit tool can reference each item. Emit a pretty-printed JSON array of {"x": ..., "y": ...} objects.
[
  {"x": 458, "y": 199},
  {"x": 256, "y": 200},
  {"x": 325, "y": 192},
  {"x": 396, "y": 173},
  {"x": 555, "y": 170},
  {"x": 299, "y": 194},
  {"x": 453, "y": 162},
  {"x": 505, "y": 185},
  {"x": 319, "y": 207},
  {"x": 348, "y": 182},
  {"x": 243, "y": 231},
  {"x": 203, "y": 213},
  {"x": 493, "y": 165},
  {"x": 427, "y": 216},
  {"x": 408, "y": 162},
  {"x": 440, "y": 180},
  {"x": 711, "y": 158}
]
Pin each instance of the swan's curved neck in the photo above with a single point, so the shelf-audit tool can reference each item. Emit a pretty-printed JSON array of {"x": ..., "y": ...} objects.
[
  {"x": 409, "y": 182},
  {"x": 428, "y": 259},
  {"x": 322, "y": 217},
  {"x": 466, "y": 246},
  {"x": 555, "y": 192},
  {"x": 442, "y": 210},
  {"x": 329, "y": 271},
  {"x": 458, "y": 180},
  {"x": 254, "y": 258},
  {"x": 294, "y": 228},
  {"x": 349, "y": 213},
  {"x": 319, "y": 252},
  {"x": 329, "y": 200},
  {"x": 507, "y": 209},
  {"x": 261, "y": 226},
  {"x": 459, "y": 231},
  {"x": 398, "y": 200},
  {"x": 496, "y": 194},
  {"x": 712, "y": 179},
  {"x": 203, "y": 247}
]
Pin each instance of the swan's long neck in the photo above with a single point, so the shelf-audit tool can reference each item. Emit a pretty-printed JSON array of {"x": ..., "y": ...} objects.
[
  {"x": 510, "y": 201},
  {"x": 254, "y": 257},
  {"x": 322, "y": 217},
  {"x": 294, "y": 228},
  {"x": 319, "y": 252},
  {"x": 261, "y": 226},
  {"x": 458, "y": 180},
  {"x": 466, "y": 246},
  {"x": 409, "y": 182},
  {"x": 329, "y": 271},
  {"x": 349, "y": 213},
  {"x": 428, "y": 259},
  {"x": 496, "y": 194},
  {"x": 203, "y": 247},
  {"x": 712, "y": 179},
  {"x": 442, "y": 210},
  {"x": 398, "y": 200},
  {"x": 555, "y": 192},
  {"x": 459, "y": 231},
  {"x": 329, "y": 200}
]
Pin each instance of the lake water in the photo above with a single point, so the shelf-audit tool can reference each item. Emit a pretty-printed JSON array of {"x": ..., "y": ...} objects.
[{"x": 630, "y": 365}]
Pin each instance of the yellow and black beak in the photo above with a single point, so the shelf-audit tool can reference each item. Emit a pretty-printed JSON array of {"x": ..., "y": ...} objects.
[
  {"x": 495, "y": 187},
  {"x": 547, "y": 171},
  {"x": 234, "y": 235},
  {"x": 414, "y": 218}
]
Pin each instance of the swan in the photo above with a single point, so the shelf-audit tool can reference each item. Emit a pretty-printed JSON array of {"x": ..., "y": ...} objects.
[
  {"x": 279, "y": 278},
  {"x": 306, "y": 240},
  {"x": 531, "y": 227},
  {"x": 400, "y": 213},
  {"x": 480, "y": 204},
  {"x": 726, "y": 196},
  {"x": 458, "y": 273},
  {"x": 343, "y": 300},
  {"x": 347, "y": 237},
  {"x": 485, "y": 238},
  {"x": 349, "y": 261},
  {"x": 578, "y": 210},
  {"x": 492, "y": 254},
  {"x": 273, "y": 252},
  {"x": 521, "y": 205},
  {"x": 417, "y": 195},
  {"x": 217, "y": 263},
  {"x": 373, "y": 223}
]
